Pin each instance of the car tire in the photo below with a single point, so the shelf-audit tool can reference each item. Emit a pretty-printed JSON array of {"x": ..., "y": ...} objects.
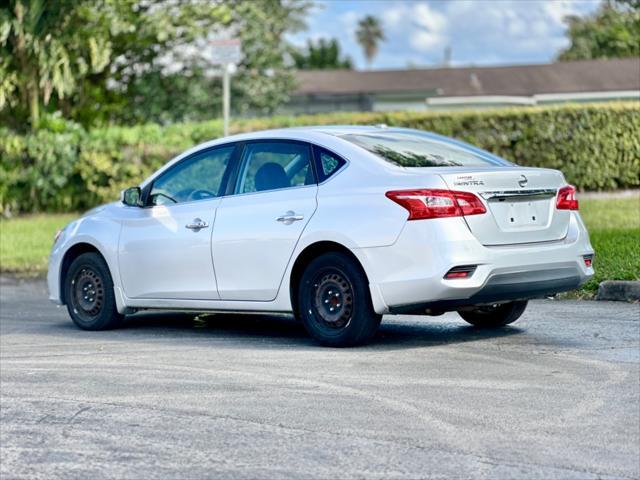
[
  {"x": 88, "y": 291},
  {"x": 334, "y": 302},
  {"x": 494, "y": 316}
]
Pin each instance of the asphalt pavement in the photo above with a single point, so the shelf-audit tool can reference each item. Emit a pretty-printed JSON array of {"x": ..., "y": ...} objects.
[{"x": 556, "y": 395}]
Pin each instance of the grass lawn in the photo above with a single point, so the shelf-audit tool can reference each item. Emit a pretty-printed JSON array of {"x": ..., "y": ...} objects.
[
  {"x": 25, "y": 242},
  {"x": 614, "y": 229},
  {"x": 614, "y": 226}
]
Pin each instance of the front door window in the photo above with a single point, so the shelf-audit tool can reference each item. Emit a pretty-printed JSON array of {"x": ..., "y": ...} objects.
[{"x": 197, "y": 178}]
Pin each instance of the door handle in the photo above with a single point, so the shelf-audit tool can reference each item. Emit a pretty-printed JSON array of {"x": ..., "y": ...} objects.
[
  {"x": 289, "y": 217},
  {"x": 197, "y": 225}
]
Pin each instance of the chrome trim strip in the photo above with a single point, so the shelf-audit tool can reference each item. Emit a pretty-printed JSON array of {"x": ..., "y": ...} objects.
[{"x": 539, "y": 193}]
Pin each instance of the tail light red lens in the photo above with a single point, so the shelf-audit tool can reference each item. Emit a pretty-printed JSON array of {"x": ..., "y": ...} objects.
[
  {"x": 567, "y": 198},
  {"x": 469, "y": 203},
  {"x": 423, "y": 203},
  {"x": 464, "y": 271}
]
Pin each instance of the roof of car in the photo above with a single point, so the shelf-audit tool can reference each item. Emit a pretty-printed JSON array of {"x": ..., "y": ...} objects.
[
  {"x": 326, "y": 129},
  {"x": 303, "y": 133},
  {"x": 339, "y": 129}
]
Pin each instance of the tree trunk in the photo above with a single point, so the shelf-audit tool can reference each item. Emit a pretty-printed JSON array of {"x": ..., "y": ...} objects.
[{"x": 34, "y": 105}]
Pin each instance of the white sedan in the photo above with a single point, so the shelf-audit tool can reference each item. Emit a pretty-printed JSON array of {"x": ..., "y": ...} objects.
[{"x": 337, "y": 225}]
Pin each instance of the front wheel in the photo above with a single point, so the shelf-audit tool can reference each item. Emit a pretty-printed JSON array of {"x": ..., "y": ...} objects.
[
  {"x": 494, "y": 316},
  {"x": 89, "y": 294},
  {"x": 334, "y": 302}
]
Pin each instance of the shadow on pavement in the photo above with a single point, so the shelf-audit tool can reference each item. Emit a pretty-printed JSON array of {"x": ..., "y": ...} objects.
[{"x": 285, "y": 330}]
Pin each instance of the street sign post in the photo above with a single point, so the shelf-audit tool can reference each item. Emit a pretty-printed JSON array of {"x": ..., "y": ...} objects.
[{"x": 226, "y": 52}]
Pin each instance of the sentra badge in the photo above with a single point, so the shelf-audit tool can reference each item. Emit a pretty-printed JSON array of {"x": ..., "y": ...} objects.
[{"x": 467, "y": 181}]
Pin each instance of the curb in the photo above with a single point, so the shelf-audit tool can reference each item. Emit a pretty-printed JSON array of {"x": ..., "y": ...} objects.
[{"x": 618, "y": 290}]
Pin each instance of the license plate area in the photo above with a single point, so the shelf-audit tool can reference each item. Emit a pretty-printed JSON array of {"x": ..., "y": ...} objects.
[{"x": 520, "y": 213}]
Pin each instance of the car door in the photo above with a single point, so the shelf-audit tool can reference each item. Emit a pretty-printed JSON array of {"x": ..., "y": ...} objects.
[
  {"x": 258, "y": 227},
  {"x": 165, "y": 247}
]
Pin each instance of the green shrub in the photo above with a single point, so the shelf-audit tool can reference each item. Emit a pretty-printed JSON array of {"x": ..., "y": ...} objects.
[{"x": 62, "y": 167}]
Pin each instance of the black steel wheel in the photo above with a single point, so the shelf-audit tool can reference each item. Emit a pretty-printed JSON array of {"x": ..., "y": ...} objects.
[
  {"x": 494, "y": 316},
  {"x": 332, "y": 299},
  {"x": 88, "y": 291},
  {"x": 334, "y": 302}
]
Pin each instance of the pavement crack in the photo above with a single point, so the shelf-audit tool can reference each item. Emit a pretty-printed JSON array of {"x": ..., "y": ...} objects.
[{"x": 79, "y": 412}]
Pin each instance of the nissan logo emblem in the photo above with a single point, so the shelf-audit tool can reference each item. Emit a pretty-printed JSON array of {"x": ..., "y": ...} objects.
[{"x": 523, "y": 181}]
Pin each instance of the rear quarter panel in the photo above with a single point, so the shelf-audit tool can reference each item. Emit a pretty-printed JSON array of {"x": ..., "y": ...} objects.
[{"x": 352, "y": 204}]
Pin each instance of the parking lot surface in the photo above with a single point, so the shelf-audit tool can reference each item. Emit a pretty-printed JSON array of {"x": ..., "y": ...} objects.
[{"x": 556, "y": 395}]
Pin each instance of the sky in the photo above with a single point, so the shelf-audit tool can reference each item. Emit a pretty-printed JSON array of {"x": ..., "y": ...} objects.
[{"x": 479, "y": 32}]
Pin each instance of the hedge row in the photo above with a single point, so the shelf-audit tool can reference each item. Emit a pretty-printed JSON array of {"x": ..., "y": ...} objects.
[{"x": 63, "y": 167}]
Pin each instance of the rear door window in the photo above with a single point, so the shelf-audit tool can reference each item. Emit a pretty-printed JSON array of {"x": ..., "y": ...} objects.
[{"x": 274, "y": 165}]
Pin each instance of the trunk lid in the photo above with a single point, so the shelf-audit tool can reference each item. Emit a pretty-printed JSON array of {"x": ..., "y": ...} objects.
[{"x": 521, "y": 203}]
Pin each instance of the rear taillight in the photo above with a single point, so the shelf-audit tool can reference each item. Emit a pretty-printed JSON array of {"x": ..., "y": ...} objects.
[
  {"x": 567, "y": 198},
  {"x": 423, "y": 204}
]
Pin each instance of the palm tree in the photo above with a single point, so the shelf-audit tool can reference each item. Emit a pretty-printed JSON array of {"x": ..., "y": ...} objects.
[
  {"x": 43, "y": 52},
  {"x": 34, "y": 63},
  {"x": 369, "y": 34}
]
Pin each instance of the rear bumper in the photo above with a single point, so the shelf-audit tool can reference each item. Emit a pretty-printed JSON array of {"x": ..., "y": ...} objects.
[
  {"x": 409, "y": 275},
  {"x": 501, "y": 287}
]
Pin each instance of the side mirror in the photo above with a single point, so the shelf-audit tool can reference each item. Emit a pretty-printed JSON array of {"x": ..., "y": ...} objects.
[{"x": 131, "y": 197}]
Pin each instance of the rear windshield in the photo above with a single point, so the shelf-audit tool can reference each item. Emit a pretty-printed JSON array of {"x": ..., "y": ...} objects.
[{"x": 412, "y": 149}]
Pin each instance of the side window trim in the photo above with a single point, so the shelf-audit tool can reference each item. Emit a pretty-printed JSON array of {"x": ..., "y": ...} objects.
[
  {"x": 232, "y": 186},
  {"x": 242, "y": 167},
  {"x": 146, "y": 199},
  {"x": 234, "y": 171},
  {"x": 314, "y": 163}
]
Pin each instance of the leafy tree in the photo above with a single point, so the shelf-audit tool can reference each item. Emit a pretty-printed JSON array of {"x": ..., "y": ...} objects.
[
  {"x": 369, "y": 35},
  {"x": 45, "y": 48},
  {"x": 613, "y": 31},
  {"x": 145, "y": 37},
  {"x": 190, "y": 94},
  {"x": 323, "y": 55},
  {"x": 100, "y": 61},
  {"x": 264, "y": 77},
  {"x": 78, "y": 56},
  {"x": 193, "y": 92}
]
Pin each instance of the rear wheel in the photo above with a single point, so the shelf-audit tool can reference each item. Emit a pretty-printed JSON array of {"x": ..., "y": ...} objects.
[
  {"x": 89, "y": 293},
  {"x": 494, "y": 316},
  {"x": 334, "y": 302}
]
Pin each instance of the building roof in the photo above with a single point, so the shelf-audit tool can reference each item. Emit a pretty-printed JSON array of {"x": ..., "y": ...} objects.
[{"x": 517, "y": 80}]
